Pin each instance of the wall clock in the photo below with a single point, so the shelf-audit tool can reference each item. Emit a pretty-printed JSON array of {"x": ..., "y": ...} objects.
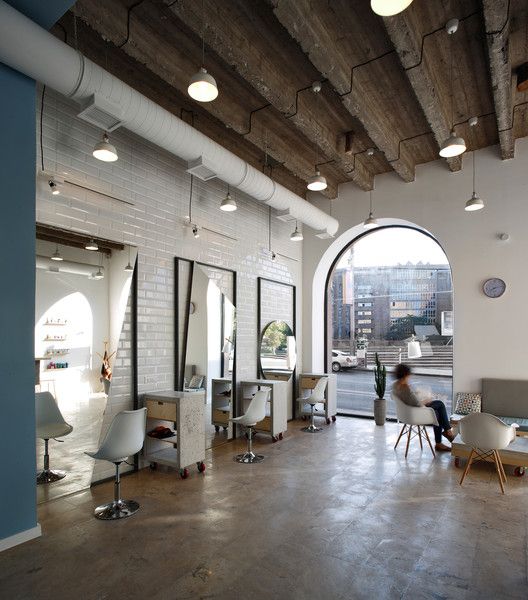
[{"x": 494, "y": 287}]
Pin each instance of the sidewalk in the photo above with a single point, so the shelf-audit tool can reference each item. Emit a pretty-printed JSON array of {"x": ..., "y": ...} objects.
[{"x": 438, "y": 372}]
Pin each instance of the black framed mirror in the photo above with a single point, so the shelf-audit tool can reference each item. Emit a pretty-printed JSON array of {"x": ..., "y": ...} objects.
[{"x": 278, "y": 351}]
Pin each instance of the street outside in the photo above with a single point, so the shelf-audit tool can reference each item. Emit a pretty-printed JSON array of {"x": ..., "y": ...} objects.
[{"x": 355, "y": 390}]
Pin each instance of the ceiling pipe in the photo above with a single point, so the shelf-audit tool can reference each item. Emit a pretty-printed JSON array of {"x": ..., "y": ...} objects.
[
  {"x": 66, "y": 266},
  {"x": 35, "y": 52}
]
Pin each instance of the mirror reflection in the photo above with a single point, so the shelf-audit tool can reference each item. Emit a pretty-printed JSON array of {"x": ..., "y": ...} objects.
[
  {"x": 210, "y": 348},
  {"x": 278, "y": 352}
]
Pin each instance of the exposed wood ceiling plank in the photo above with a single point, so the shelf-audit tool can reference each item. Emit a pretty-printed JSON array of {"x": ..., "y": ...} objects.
[
  {"x": 497, "y": 22},
  {"x": 169, "y": 49}
]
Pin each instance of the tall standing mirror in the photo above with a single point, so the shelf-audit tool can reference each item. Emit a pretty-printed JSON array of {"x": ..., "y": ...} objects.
[{"x": 206, "y": 335}]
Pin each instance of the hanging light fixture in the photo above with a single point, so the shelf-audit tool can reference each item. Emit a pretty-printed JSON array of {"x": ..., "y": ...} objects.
[
  {"x": 453, "y": 145},
  {"x": 91, "y": 245},
  {"x": 475, "y": 202},
  {"x": 370, "y": 222},
  {"x": 297, "y": 235},
  {"x": 202, "y": 85},
  {"x": 56, "y": 255},
  {"x": 413, "y": 348},
  {"x": 388, "y": 8},
  {"x": 195, "y": 231},
  {"x": 317, "y": 182},
  {"x": 99, "y": 273},
  {"x": 104, "y": 150},
  {"x": 129, "y": 268},
  {"x": 228, "y": 203},
  {"x": 54, "y": 187}
]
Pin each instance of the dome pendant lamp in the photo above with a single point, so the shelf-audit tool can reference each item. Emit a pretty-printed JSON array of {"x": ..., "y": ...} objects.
[
  {"x": 228, "y": 203},
  {"x": 296, "y": 235},
  {"x": 453, "y": 145},
  {"x": 202, "y": 85},
  {"x": 104, "y": 150},
  {"x": 388, "y": 8},
  {"x": 475, "y": 202},
  {"x": 370, "y": 222},
  {"x": 317, "y": 182}
]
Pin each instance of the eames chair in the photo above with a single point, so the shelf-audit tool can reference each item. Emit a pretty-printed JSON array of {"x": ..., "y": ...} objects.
[
  {"x": 255, "y": 413},
  {"x": 486, "y": 434},
  {"x": 414, "y": 420},
  {"x": 317, "y": 396},
  {"x": 50, "y": 424},
  {"x": 124, "y": 438}
]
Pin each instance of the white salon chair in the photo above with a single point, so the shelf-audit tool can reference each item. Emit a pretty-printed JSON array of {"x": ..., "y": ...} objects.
[
  {"x": 255, "y": 413},
  {"x": 414, "y": 420},
  {"x": 50, "y": 424},
  {"x": 486, "y": 434},
  {"x": 124, "y": 438},
  {"x": 317, "y": 397}
]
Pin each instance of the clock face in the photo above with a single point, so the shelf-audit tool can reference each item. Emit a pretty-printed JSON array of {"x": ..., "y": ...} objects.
[{"x": 494, "y": 287}]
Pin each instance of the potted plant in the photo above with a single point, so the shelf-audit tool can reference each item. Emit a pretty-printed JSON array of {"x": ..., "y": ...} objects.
[{"x": 380, "y": 382}]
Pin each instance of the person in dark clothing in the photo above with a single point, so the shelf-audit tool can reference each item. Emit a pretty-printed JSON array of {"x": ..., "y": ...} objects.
[{"x": 402, "y": 390}]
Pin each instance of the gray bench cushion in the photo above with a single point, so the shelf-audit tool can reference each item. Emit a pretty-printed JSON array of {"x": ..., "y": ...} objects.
[{"x": 505, "y": 397}]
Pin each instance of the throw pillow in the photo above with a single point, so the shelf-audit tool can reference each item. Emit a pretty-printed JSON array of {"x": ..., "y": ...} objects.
[
  {"x": 196, "y": 382},
  {"x": 467, "y": 403}
]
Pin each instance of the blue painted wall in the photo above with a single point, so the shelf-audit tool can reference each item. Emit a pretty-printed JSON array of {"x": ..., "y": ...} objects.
[{"x": 17, "y": 288}]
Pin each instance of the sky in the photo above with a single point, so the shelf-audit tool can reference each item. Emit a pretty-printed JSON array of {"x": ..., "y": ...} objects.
[{"x": 394, "y": 246}]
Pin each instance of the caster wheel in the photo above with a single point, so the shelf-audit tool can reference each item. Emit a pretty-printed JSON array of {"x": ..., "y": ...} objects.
[
  {"x": 201, "y": 467},
  {"x": 328, "y": 421},
  {"x": 184, "y": 473},
  {"x": 153, "y": 466},
  {"x": 217, "y": 428},
  {"x": 280, "y": 435},
  {"x": 334, "y": 418},
  {"x": 519, "y": 472},
  {"x": 274, "y": 438},
  {"x": 457, "y": 462}
]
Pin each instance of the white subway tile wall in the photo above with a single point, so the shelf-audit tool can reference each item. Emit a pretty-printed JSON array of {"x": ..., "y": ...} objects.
[{"x": 158, "y": 186}]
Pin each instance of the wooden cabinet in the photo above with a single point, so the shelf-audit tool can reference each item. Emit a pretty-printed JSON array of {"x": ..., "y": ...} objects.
[
  {"x": 185, "y": 413},
  {"x": 307, "y": 382},
  {"x": 275, "y": 423}
]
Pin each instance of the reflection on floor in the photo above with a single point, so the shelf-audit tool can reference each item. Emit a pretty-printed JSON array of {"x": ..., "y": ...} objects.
[
  {"x": 85, "y": 414},
  {"x": 336, "y": 515},
  {"x": 213, "y": 438}
]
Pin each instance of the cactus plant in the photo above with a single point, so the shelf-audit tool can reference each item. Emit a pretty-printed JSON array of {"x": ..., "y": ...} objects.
[{"x": 380, "y": 378}]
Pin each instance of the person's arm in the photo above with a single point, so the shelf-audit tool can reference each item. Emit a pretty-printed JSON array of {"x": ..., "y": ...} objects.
[{"x": 406, "y": 395}]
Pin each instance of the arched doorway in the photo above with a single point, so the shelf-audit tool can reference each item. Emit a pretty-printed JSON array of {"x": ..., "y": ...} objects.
[{"x": 387, "y": 287}]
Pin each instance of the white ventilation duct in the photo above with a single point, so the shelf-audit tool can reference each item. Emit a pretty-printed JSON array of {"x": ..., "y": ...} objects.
[
  {"x": 67, "y": 266},
  {"x": 28, "y": 48}
]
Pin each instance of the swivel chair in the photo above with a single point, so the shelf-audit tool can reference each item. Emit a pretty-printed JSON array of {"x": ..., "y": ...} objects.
[
  {"x": 317, "y": 396},
  {"x": 255, "y": 413},
  {"x": 414, "y": 420},
  {"x": 124, "y": 438},
  {"x": 50, "y": 424}
]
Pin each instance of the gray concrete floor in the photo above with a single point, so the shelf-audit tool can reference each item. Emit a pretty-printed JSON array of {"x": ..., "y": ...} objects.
[{"x": 338, "y": 514}]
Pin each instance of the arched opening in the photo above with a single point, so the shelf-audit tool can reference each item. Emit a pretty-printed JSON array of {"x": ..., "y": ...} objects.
[{"x": 389, "y": 291}]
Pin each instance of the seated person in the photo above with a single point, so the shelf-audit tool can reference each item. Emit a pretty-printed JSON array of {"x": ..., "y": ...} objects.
[{"x": 402, "y": 390}]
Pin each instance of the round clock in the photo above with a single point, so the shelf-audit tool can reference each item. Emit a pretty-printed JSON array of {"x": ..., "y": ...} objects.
[{"x": 494, "y": 287}]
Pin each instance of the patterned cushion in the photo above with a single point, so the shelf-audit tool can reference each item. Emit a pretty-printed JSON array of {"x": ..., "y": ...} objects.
[
  {"x": 467, "y": 403},
  {"x": 196, "y": 382}
]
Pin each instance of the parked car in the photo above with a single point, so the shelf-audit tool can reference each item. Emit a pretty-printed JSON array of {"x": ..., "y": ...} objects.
[{"x": 342, "y": 360}]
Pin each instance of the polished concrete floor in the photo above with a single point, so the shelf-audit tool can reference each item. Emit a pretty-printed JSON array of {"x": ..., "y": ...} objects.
[{"x": 338, "y": 514}]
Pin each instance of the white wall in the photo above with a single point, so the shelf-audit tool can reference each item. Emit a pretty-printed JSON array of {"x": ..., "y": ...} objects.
[
  {"x": 490, "y": 335},
  {"x": 156, "y": 182}
]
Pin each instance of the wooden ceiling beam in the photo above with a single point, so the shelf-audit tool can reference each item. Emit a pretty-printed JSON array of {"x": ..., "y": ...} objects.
[
  {"x": 249, "y": 39},
  {"x": 497, "y": 21},
  {"x": 433, "y": 99},
  {"x": 315, "y": 27},
  {"x": 155, "y": 37}
]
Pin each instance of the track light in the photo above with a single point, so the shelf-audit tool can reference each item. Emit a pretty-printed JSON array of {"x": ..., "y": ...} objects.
[
  {"x": 317, "y": 182},
  {"x": 453, "y": 146},
  {"x": 297, "y": 235},
  {"x": 91, "y": 245},
  {"x": 195, "y": 231},
  {"x": 104, "y": 150},
  {"x": 202, "y": 86},
  {"x": 228, "y": 203},
  {"x": 54, "y": 187},
  {"x": 56, "y": 255},
  {"x": 388, "y": 8}
]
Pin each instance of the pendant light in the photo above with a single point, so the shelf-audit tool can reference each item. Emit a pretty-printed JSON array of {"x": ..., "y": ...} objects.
[
  {"x": 388, "y": 8},
  {"x": 54, "y": 187},
  {"x": 202, "y": 85},
  {"x": 57, "y": 255},
  {"x": 475, "y": 202},
  {"x": 413, "y": 348},
  {"x": 99, "y": 274},
  {"x": 129, "y": 268},
  {"x": 91, "y": 245},
  {"x": 453, "y": 145},
  {"x": 104, "y": 150},
  {"x": 193, "y": 226},
  {"x": 317, "y": 182},
  {"x": 297, "y": 235},
  {"x": 228, "y": 203},
  {"x": 370, "y": 222}
]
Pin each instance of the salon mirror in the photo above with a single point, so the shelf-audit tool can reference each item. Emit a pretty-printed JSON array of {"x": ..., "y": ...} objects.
[{"x": 278, "y": 352}]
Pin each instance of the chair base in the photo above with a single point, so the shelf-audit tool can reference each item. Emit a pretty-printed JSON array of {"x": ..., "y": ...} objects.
[
  {"x": 311, "y": 429},
  {"x": 249, "y": 457},
  {"x": 119, "y": 509},
  {"x": 50, "y": 476}
]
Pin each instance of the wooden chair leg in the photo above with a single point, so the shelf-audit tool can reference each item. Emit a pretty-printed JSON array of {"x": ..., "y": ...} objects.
[
  {"x": 408, "y": 440},
  {"x": 399, "y": 437},
  {"x": 496, "y": 460},
  {"x": 420, "y": 436},
  {"x": 501, "y": 466},
  {"x": 468, "y": 466},
  {"x": 428, "y": 440}
]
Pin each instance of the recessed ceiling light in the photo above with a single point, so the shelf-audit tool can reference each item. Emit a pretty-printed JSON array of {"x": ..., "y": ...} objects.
[
  {"x": 387, "y": 8},
  {"x": 105, "y": 151}
]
